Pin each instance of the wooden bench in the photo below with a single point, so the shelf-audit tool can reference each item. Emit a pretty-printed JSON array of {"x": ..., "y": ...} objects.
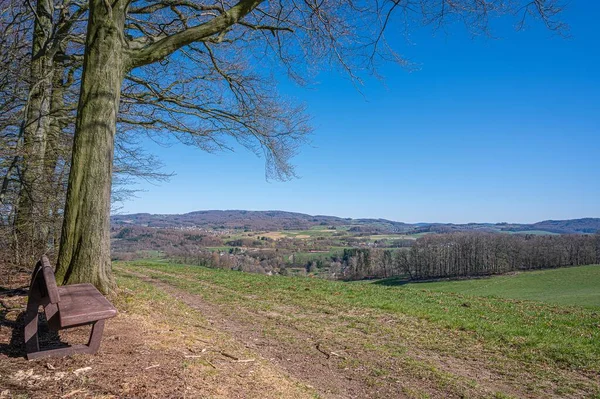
[{"x": 65, "y": 307}]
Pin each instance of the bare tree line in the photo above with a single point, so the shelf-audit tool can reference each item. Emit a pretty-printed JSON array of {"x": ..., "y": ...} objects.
[
  {"x": 446, "y": 255},
  {"x": 471, "y": 254}
]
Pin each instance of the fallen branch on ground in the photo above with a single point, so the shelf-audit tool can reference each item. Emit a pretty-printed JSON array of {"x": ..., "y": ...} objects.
[{"x": 318, "y": 346}]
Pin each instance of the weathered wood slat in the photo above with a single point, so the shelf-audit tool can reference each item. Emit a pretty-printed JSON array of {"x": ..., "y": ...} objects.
[
  {"x": 50, "y": 281},
  {"x": 82, "y": 304}
]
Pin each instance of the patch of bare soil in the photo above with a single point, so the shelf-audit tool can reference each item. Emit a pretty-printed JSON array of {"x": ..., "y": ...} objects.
[{"x": 143, "y": 355}]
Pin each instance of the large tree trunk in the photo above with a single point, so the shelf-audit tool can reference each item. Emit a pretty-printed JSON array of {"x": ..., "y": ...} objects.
[
  {"x": 84, "y": 254},
  {"x": 31, "y": 224},
  {"x": 55, "y": 152}
]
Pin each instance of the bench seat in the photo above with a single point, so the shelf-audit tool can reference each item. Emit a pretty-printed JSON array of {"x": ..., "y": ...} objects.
[
  {"x": 82, "y": 304},
  {"x": 65, "y": 307}
]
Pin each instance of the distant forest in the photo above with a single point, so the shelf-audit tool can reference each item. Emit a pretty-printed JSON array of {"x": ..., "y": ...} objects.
[
  {"x": 351, "y": 254},
  {"x": 354, "y": 249},
  {"x": 471, "y": 254}
]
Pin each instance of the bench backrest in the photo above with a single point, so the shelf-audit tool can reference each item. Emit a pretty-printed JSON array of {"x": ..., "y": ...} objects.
[{"x": 43, "y": 282}]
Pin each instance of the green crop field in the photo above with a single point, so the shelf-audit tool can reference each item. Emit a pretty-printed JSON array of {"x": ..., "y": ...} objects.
[{"x": 565, "y": 286}]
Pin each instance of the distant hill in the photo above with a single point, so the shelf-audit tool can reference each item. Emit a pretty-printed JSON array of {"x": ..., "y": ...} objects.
[
  {"x": 253, "y": 220},
  {"x": 281, "y": 220},
  {"x": 573, "y": 226}
]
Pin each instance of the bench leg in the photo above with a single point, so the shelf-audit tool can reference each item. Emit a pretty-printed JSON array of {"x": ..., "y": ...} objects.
[
  {"x": 32, "y": 344},
  {"x": 95, "y": 336},
  {"x": 91, "y": 348},
  {"x": 59, "y": 352}
]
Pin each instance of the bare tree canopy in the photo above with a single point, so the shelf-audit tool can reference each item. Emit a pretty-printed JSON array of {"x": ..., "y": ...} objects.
[
  {"x": 217, "y": 61},
  {"x": 39, "y": 85}
]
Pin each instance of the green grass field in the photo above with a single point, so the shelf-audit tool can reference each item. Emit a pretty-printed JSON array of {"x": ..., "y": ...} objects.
[
  {"x": 579, "y": 286},
  {"x": 394, "y": 237},
  {"x": 425, "y": 336},
  {"x": 526, "y": 330}
]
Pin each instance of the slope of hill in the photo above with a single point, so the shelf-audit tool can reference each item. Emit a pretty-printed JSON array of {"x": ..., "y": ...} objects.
[
  {"x": 254, "y": 220},
  {"x": 188, "y": 331},
  {"x": 574, "y": 226},
  {"x": 569, "y": 286},
  {"x": 374, "y": 341},
  {"x": 281, "y": 220}
]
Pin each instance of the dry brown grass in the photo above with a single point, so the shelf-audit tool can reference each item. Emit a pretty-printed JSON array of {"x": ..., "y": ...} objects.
[{"x": 156, "y": 347}]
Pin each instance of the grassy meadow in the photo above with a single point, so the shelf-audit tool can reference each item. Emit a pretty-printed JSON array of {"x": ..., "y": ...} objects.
[
  {"x": 533, "y": 331},
  {"x": 446, "y": 339},
  {"x": 577, "y": 286}
]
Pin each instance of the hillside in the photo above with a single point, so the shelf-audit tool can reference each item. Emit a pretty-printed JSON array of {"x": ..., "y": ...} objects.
[
  {"x": 189, "y": 331},
  {"x": 254, "y": 220},
  {"x": 574, "y": 226},
  {"x": 571, "y": 286},
  {"x": 281, "y": 220}
]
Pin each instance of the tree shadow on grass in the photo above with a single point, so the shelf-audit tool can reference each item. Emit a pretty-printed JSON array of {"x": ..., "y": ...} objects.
[{"x": 393, "y": 281}]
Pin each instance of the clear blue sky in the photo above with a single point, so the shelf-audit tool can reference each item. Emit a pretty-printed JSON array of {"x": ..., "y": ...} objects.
[{"x": 484, "y": 131}]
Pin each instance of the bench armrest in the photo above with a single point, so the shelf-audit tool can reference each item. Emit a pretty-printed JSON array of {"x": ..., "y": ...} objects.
[{"x": 50, "y": 281}]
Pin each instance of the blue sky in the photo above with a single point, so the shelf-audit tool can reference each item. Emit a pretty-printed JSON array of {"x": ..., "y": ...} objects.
[{"x": 485, "y": 130}]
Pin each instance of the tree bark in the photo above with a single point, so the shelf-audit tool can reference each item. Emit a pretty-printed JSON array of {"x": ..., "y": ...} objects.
[
  {"x": 55, "y": 152},
  {"x": 84, "y": 254},
  {"x": 30, "y": 223}
]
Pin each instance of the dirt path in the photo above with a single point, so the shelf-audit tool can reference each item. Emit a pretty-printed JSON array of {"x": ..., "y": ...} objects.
[
  {"x": 304, "y": 357},
  {"x": 155, "y": 348}
]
